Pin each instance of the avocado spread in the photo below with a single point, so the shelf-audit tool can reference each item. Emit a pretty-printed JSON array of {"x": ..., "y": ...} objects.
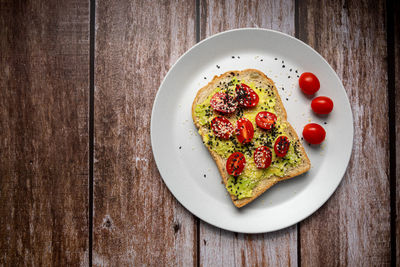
[{"x": 242, "y": 186}]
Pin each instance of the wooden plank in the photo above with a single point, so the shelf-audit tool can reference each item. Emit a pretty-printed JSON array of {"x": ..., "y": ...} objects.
[
  {"x": 219, "y": 247},
  {"x": 353, "y": 227},
  {"x": 44, "y": 81},
  {"x": 396, "y": 13},
  {"x": 137, "y": 221}
]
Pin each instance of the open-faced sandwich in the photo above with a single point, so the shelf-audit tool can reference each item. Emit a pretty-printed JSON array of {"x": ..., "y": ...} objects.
[{"x": 243, "y": 123}]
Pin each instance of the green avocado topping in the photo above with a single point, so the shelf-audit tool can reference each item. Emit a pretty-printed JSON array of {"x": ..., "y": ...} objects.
[{"x": 243, "y": 185}]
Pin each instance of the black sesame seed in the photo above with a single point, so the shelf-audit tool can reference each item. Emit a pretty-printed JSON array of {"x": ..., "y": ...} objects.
[
  {"x": 233, "y": 56},
  {"x": 180, "y": 147},
  {"x": 205, "y": 176},
  {"x": 238, "y": 57},
  {"x": 205, "y": 78},
  {"x": 218, "y": 67},
  {"x": 325, "y": 122},
  {"x": 283, "y": 66},
  {"x": 261, "y": 60},
  {"x": 276, "y": 58},
  {"x": 290, "y": 70},
  {"x": 288, "y": 77},
  {"x": 287, "y": 99},
  {"x": 295, "y": 71},
  {"x": 298, "y": 76}
]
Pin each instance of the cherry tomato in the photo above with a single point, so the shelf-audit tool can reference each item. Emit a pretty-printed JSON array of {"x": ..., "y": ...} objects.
[
  {"x": 265, "y": 120},
  {"x": 281, "y": 146},
  {"x": 309, "y": 83},
  {"x": 246, "y": 96},
  {"x": 223, "y": 102},
  {"x": 262, "y": 157},
  {"x": 222, "y": 127},
  {"x": 322, "y": 105},
  {"x": 314, "y": 133},
  {"x": 235, "y": 163},
  {"x": 244, "y": 130}
]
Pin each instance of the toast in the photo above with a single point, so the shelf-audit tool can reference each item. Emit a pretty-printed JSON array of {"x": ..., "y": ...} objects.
[{"x": 259, "y": 81}]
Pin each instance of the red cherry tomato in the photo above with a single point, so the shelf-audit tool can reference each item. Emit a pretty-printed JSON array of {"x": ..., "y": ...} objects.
[
  {"x": 223, "y": 102},
  {"x": 244, "y": 130},
  {"x": 222, "y": 127},
  {"x": 281, "y": 146},
  {"x": 235, "y": 163},
  {"x": 309, "y": 83},
  {"x": 262, "y": 157},
  {"x": 265, "y": 120},
  {"x": 322, "y": 105},
  {"x": 246, "y": 96},
  {"x": 314, "y": 133}
]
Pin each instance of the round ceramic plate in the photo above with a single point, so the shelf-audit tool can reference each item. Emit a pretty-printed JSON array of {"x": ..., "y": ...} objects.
[{"x": 187, "y": 167}]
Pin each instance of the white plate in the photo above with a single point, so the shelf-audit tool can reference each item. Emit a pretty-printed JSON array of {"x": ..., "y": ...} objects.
[{"x": 183, "y": 160}]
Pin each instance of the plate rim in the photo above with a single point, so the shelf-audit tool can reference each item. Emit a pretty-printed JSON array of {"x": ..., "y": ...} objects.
[{"x": 347, "y": 160}]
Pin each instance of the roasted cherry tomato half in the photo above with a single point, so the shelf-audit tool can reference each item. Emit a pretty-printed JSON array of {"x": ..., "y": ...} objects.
[
  {"x": 262, "y": 157},
  {"x": 235, "y": 163},
  {"x": 322, "y": 105},
  {"x": 314, "y": 134},
  {"x": 223, "y": 102},
  {"x": 244, "y": 130},
  {"x": 308, "y": 83},
  {"x": 245, "y": 96},
  {"x": 265, "y": 120},
  {"x": 281, "y": 146},
  {"x": 222, "y": 127}
]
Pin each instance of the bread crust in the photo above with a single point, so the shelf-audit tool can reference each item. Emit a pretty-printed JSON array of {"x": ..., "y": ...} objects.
[{"x": 264, "y": 184}]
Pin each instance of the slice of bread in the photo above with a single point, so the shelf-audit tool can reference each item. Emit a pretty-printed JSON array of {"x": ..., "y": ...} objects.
[{"x": 262, "y": 81}]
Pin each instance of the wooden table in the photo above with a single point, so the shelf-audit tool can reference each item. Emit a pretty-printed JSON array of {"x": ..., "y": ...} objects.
[{"x": 78, "y": 182}]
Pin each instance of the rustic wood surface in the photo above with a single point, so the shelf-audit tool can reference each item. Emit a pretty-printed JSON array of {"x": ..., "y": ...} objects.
[
  {"x": 219, "y": 247},
  {"x": 136, "y": 219},
  {"x": 396, "y": 32},
  {"x": 44, "y": 134},
  {"x": 353, "y": 228},
  {"x": 44, "y": 81}
]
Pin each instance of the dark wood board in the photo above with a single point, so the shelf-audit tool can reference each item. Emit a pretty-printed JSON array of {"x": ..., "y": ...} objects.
[
  {"x": 219, "y": 247},
  {"x": 44, "y": 81},
  {"x": 396, "y": 27},
  {"x": 137, "y": 221},
  {"x": 353, "y": 227}
]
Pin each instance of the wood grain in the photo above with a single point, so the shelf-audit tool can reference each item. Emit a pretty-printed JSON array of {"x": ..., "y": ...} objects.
[
  {"x": 219, "y": 247},
  {"x": 396, "y": 13},
  {"x": 137, "y": 221},
  {"x": 44, "y": 81},
  {"x": 353, "y": 227}
]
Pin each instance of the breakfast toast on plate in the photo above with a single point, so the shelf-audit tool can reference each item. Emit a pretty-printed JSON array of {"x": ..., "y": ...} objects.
[{"x": 243, "y": 123}]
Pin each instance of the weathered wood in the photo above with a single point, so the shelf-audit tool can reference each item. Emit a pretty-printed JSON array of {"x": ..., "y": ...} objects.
[
  {"x": 136, "y": 219},
  {"x": 396, "y": 12},
  {"x": 353, "y": 227},
  {"x": 44, "y": 81},
  {"x": 219, "y": 247}
]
